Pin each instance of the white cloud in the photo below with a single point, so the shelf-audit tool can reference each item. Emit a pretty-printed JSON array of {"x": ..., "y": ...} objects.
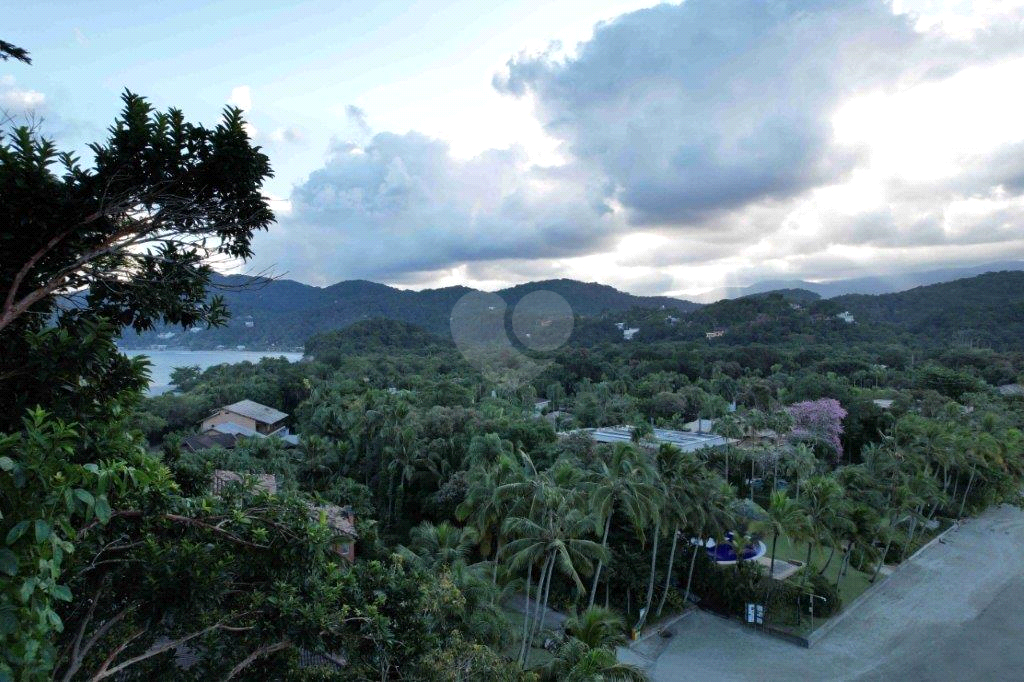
[
  {"x": 19, "y": 100},
  {"x": 241, "y": 97}
]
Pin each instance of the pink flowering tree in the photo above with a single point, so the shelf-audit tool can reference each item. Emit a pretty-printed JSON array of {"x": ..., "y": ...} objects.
[{"x": 819, "y": 421}]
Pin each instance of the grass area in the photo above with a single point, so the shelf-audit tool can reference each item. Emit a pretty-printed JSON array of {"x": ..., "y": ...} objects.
[{"x": 850, "y": 586}]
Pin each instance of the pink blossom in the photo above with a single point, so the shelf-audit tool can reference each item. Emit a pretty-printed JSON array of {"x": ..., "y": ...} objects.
[{"x": 819, "y": 420}]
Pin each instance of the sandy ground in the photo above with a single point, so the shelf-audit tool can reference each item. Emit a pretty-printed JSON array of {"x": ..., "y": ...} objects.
[{"x": 955, "y": 612}]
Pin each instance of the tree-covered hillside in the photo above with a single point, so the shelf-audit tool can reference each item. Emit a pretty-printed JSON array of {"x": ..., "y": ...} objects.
[
  {"x": 987, "y": 310},
  {"x": 284, "y": 313}
]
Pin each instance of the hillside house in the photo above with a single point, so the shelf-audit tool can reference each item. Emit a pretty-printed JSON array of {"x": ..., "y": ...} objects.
[
  {"x": 714, "y": 334},
  {"x": 249, "y": 414},
  {"x": 244, "y": 419}
]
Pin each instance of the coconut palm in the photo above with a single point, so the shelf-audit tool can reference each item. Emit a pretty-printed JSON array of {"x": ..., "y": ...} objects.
[
  {"x": 684, "y": 482},
  {"x": 621, "y": 483},
  {"x": 442, "y": 545},
  {"x": 784, "y": 517},
  {"x": 717, "y": 515},
  {"x": 558, "y": 539},
  {"x": 658, "y": 517},
  {"x": 485, "y": 508},
  {"x": 597, "y": 627},
  {"x": 576, "y": 662}
]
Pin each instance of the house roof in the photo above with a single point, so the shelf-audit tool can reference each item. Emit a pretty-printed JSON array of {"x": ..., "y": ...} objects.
[
  {"x": 254, "y": 410},
  {"x": 210, "y": 439},
  {"x": 264, "y": 482},
  {"x": 684, "y": 440},
  {"x": 234, "y": 430},
  {"x": 338, "y": 518}
]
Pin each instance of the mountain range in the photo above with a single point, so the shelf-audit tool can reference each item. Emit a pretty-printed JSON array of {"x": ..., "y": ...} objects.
[
  {"x": 879, "y": 284},
  {"x": 283, "y": 314}
]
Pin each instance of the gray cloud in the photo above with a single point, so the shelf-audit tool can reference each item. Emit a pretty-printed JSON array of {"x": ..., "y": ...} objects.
[
  {"x": 709, "y": 122},
  {"x": 402, "y": 204},
  {"x": 710, "y": 105}
]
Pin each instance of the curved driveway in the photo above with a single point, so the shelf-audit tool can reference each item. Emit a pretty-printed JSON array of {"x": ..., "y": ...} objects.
[{"x": 955, "y": 612}]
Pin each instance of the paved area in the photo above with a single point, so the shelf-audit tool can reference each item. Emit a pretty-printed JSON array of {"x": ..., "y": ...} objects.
[{"x": 956, "y": 612}]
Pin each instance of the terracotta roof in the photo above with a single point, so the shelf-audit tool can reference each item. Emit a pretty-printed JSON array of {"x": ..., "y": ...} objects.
[
  {"x": 223, "y": 477},
  {"x": 254, "y": 410}
]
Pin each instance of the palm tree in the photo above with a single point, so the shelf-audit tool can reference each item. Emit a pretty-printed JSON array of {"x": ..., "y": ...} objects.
[
  {"x": 442, "y": 545},
  {"x": 717, "y": 515},
  {"x": 823, "y": 505},
  {"x": 656, "y": 535},
  {"x": 782, "y": 518},
  {"x": 576, "y": 662},
  {"x": 684, "y": 476},
  {"x": 597, "y": 627},
  {"x": 557, "y": 537},
  {"x": 622, "y": 483},
  {"x": 800, "y": 463},
  {"x": 485, "y": 508}
]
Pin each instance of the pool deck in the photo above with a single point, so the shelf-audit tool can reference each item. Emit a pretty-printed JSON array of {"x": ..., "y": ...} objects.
[
  {"x": 783, "y": 568},
  {"x": 949, "y": 613}
]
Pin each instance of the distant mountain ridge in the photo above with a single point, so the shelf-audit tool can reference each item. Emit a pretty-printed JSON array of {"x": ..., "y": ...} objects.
[
  {"x": 861, "y": 285},
  {"x": 987, "y": 309},
  {"x": 284, "y": 313}
]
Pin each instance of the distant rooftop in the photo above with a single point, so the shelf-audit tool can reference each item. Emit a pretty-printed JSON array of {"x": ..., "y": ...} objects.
[
  {"x": 223, "y": 477},
  {"x": 254, "y": 410},
  {"x": 684, "y": 440},
  {"x": 230, "y": 428}
]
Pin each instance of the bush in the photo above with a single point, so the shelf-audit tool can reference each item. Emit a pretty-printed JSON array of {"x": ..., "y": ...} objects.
[{"x": 823, "y": 608}]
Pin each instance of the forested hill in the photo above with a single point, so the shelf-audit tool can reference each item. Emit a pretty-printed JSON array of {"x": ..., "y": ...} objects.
[
  {"x": 986, "y": 310},
  {"x": 285, "y": 313}
]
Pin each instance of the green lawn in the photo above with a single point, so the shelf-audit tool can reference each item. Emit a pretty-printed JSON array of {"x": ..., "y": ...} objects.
[{"x": 852, "y": 584}]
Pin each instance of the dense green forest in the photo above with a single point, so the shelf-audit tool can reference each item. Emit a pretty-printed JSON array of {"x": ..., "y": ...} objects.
[
  {"x": 483, "y": 516},
  {"x": 983, "y": 311},
  {"x": 280, "y": 313}
]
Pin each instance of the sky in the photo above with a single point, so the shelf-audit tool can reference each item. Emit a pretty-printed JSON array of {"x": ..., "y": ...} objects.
[{"x": 662, "y": 149}]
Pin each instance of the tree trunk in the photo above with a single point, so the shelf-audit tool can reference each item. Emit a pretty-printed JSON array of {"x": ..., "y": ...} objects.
[
  {"x": 547, "y": 593},
  {"x": 650, "y": 580},
  {"x": 771, "y": 570},
  {"x": 526, "y": 617},
  {"x": 693, "y": 562},
  {"x": 597, "y": 571},
  {"x": 881, "y": 560},
  {"x": 807, "y": 567},
  {"x": 751, "y": 479},
  {"x": 668, "y": 574},
  {"x": 844, "y": 565},
  {"x": 829, "y": 561},
  {"x": 967, "y": 491}
]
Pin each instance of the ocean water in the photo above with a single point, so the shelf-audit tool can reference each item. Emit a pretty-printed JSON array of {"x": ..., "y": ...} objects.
[{"x": 163, "y": 362}]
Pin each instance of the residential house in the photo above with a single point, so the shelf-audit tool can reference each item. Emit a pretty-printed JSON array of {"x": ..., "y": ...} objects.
[
  {"x": 250, "y": 414},
  {"x": 342, "y": 521}
]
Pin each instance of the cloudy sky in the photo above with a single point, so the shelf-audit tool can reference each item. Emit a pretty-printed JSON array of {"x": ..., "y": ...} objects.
[{"x": 659, "y": 148}]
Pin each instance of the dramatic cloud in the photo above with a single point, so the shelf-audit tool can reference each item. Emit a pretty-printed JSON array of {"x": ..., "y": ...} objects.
[
  {"x": 710, "y": 105},
  {"x": 402, "y": 204},
  {"x": 701, "y": 144}
]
